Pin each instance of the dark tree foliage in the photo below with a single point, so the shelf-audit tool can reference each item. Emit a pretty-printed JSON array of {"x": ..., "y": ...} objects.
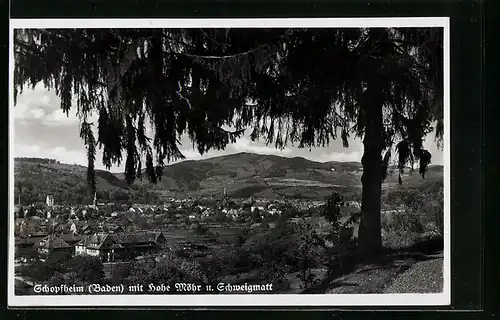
[
  {"x": 88, "y": 269},
  {"x": 303, "y": 86}
]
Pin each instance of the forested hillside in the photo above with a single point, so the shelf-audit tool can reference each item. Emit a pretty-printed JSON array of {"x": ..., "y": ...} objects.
[{"x": 243, "y": 175}]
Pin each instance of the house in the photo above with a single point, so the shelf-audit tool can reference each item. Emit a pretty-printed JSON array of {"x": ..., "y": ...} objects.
[
  {"x": 208, "y": 212},
  {"x": 354, "y": 204},
  {"x": 50, "y": 200},
  {"x": 110, "y": 247},
  {"x": 205, "y": 214},
  {"x": 38, "y": 235},
  {"x": 274, "y": 206},
  {"x": 274, "y": 211},
  {"x": 52, "y": 243},
  {"x": 70, "y": 239},
  {"x": 141, "y": 242},
  {"x": 99, "y": 245},
  {"x": 57, "y": 227},
  {"x": 100, "y": 227},
  {"x": 44, "y": 227},
  {"x": 136, "y": 208},
  {"x": 260, "y": 208},
  {"x": 72, "y": 228},
  {"x": 114, "y": 228},
  {"x": 233, "y": 213},
  {"x": 24, "y": 243},
  {"x": 87, "y": 230},
  {"x": 25, "y": 247}
]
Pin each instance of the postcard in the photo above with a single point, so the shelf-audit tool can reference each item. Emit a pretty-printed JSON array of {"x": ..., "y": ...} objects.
[{"x": 229, "y": 162}]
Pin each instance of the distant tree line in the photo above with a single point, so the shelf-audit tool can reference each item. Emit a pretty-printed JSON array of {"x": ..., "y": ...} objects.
[
  {"x": 38, "y": 160},
  {"x": 78, "y": 195}
]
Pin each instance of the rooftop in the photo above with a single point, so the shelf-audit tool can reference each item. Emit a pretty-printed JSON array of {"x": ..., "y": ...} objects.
[{"x": 53, "y": 242}]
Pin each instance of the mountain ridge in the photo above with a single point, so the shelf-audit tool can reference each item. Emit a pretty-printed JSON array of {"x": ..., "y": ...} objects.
[{"x": 242, "y": 175}]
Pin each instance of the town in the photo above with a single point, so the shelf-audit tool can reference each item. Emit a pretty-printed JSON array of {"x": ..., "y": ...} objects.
[
  {"x": 122, "y": 232},
  {"x": 206, "y": 239}
]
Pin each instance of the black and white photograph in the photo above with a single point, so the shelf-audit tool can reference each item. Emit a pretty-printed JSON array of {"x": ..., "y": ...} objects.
[{"x": 229, "y": 162}]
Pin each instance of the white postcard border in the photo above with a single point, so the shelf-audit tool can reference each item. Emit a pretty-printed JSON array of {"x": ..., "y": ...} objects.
[{"x": 238, "y": 300}]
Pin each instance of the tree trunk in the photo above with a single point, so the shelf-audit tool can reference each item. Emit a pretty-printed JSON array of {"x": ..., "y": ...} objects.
[{"x": 369, "y": 234}]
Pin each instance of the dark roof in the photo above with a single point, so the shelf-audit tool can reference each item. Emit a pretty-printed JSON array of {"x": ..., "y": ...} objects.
[
  {"x": 70, "y": 237},
  {"x": 98, "y": 240},
  {"x": 38, "y": 234},
  {"x": 134, "y": 238},
  {"x": 129, "y": 239},
  {"x": 85, "y": 227},
  {"x": 53, "y": 242},
  {"x": 23, "y": 241},
  {"x": 143, "y": 236}
]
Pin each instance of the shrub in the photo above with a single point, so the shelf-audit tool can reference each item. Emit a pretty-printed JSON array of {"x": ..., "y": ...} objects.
[
  {"x": 343, "y": 245},
  {"x": 243, "y": 261},
  {"x": 242, "y": 237},
  {"x": 198, "y": 229},
  {"x": 418, "y": 214},
  {"x": 423, "y": 205},
  {"x": 57, "y": 261},
  {"x": 309, "y": 252},
  {"x": 121, "y": 272},
  {"x": 87, "y": 269},
  {"x": 56, "y": 279},
  {"x": 212, "y": 268},
  {"x": 146, "y": 272},
  {"x": 36, "y": 271}
]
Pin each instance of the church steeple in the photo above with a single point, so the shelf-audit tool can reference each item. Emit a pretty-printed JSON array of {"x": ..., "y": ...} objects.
[{"x": 224, "y": 198}]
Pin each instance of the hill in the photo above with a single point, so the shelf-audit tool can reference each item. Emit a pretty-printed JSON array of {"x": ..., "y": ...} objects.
[
  {"x": 242, "y": 174},
  {"x": 246, "y": 174},
  {"x": 270, "y": 176},
  {"x": 66, "y": 182}
]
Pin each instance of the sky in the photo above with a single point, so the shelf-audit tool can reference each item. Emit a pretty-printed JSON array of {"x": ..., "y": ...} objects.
[{"x": 42, "y": 130}]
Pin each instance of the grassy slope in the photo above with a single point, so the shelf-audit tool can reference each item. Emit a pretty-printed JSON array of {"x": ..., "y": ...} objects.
[
  {"x": 392, "y": 274},
  {"x": 422, "y": 277}
]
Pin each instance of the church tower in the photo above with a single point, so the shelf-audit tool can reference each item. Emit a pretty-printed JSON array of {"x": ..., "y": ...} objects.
[
  {"x": 94, "y": 201},
  {"x": 224, "y": 198}
]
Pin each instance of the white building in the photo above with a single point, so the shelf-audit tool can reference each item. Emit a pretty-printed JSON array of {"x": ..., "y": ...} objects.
[
  {"x": 274, "y": 211},
  {"x": 73, "y": 229},
  {"x": 50, "y": 200}
]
